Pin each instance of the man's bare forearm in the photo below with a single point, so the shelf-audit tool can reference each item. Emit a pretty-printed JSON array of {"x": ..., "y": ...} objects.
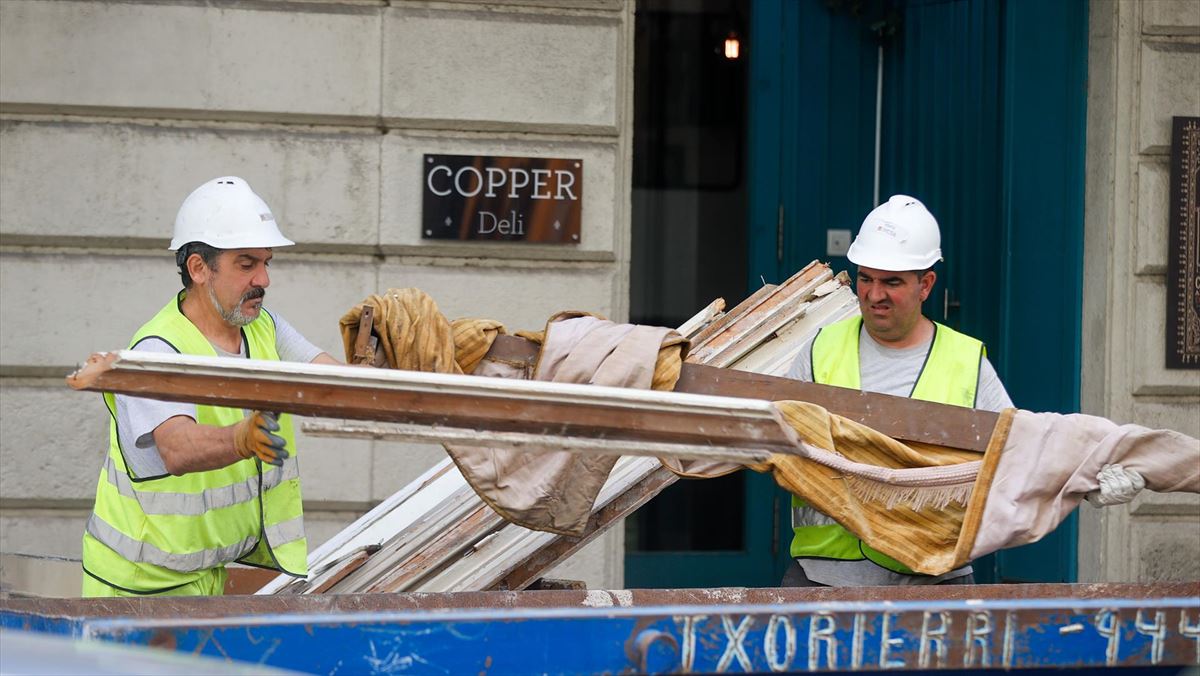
[{"x": 187, "y": 446}]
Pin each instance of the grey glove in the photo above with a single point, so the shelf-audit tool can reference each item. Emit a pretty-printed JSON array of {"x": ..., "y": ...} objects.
[{"x": 1117, "y": 486}]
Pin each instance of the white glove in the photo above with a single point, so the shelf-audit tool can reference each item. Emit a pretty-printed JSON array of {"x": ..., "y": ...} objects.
[{"x": 1117, "y": 486}]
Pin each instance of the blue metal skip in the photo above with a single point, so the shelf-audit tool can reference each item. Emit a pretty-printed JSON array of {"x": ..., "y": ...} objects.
[{"x": 849, "y": 636}]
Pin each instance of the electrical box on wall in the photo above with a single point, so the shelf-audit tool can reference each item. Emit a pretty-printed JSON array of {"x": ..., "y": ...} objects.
[{"x": 837, "y": 242}]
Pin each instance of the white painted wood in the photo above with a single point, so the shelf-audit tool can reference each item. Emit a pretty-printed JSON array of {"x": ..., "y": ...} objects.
[
  {"x": 770, "y": 322},
  {"x": 775, "y": 356},
  {"x": 411, "y": 539},
  {"x": 735, "y": 337},
  {"x": 493, "y": 558},
  {"x": 378, "y": 525},
  {"x": 537, "y": 443},
  {"x": 702, "y": 318},
  {"x": 466, "y": 389}
]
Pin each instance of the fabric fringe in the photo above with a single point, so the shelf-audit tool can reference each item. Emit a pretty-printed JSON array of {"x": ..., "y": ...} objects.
[{"x": 914, "y": 497}]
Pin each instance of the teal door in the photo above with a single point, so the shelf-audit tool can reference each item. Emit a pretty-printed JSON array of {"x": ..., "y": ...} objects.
[
  {"x": 724, "y": 532},
  {"x": 982, "y": 119}
]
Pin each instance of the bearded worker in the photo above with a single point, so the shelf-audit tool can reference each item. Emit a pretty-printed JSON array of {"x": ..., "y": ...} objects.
[
  {"x": 892, "y": 348},
  {"x": 185, "y": 488}
]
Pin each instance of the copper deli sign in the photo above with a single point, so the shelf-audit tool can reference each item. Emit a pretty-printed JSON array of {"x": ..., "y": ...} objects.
[{"x": 512, "y": 199}]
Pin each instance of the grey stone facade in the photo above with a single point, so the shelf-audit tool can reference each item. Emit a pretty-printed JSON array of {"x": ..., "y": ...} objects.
[
  {"x": 1143, "y": 68},
  {"x": 113, "y": 111}
]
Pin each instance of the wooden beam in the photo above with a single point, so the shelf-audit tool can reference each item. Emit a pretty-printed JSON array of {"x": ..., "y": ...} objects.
[
  {"x": 710, "y": 406},
  {"x": 702, "y": 318},
  {"x": 775, "y": 313},
  {"x": 530, "y": 567},
  {"x": 898, "y": 417},
  {"x": 520, "y": 441},
  {"x": 445, "y": 400},
  {"x": 776, "y": 356},
  {"x": 376, "y": 526},
  {"x": 705, "y": 333},
  {"x": 501, "y": 553}
]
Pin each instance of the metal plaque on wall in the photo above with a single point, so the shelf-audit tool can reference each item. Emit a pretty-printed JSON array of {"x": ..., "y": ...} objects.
[
  {"x": 1183, "y": 260},
  {"x": 510, "y": 199}
]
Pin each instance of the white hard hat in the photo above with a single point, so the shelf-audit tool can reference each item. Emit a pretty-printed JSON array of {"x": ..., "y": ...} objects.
[
  {"x": 898, "y": 235},
  {"x": 226, "y": 214}
]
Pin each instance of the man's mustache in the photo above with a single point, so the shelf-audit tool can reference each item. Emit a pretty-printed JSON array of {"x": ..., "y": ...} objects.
[{"x": 253, "y": 294}]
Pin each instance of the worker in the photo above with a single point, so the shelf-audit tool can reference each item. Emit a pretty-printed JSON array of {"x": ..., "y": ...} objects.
[
  {"x": 892, "y": 348},
  {"x": 185, "y": 488}
]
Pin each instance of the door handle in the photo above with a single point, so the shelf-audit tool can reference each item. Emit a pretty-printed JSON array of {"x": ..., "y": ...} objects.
[
  {"x": 948, "y": 303},
  {"x": 779, "y": 235},
  {"x": 775, "y": 526}
]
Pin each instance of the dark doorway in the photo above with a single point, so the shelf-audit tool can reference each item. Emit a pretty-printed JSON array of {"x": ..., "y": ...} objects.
[
  {"x": 690, "y": 247},
  {"x": 689, "y": 158}
]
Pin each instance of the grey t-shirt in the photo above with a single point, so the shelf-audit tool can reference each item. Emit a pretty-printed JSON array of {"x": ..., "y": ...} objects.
[
  {"x": 887, "y": 371},
  {"x": 137, "y": 418}
]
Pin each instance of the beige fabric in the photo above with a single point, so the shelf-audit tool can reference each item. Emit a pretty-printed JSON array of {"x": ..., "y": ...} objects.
[
  {"x": 666, "y": 363},
  {"x": 935, "y": 509},
  {"x": 905, "y": 500},
  {"x": 555, "y": 491},
  {"x": 415, "y": 335},
  {"x": 543, "y": 491},
  {"x": 1050, "y": 462}
]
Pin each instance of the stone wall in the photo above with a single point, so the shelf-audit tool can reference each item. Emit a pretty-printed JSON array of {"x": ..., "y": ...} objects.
[
  {"x": 112, "y": 111},
  {"x": 1143, "y": 68}
]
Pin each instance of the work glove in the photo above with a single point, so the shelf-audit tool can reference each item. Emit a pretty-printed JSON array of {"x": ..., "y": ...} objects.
[
  {"x": 1117, "y": 486},
  {"x": 254, "y": 436}
]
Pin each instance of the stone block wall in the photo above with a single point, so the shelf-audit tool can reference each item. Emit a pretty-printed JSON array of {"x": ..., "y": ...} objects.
[
  {"x": 111, "y": 112},
  {"x": 1143, "y": 68}
]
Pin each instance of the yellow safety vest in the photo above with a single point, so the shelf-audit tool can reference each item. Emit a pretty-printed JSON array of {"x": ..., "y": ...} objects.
[
  {"x": 950, "y": 376},
  {"x": 149, "y": 535}
]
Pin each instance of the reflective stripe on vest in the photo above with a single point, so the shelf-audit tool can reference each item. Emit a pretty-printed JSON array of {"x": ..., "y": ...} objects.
[
  {"x": 950, "y": 376},
  {"x": 154, "y": 533},
  {"x": 136, "y": 550},
  {"x": 144, "y": 552},
  {"x": 195, "y": 504}
]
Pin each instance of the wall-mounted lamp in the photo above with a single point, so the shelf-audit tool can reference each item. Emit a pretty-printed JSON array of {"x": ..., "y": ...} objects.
[{"x": 733, "y": 46}]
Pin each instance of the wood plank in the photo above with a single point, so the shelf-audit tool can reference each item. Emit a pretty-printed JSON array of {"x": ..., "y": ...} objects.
[
  {"x": 775, "y": 357},
  {"x": 811, "y": 275},
  {"x": 554, "y": 553},
  {"x": 771, "y": 321},
  {"x": 898, "y": 417},
  {"x": 378, "y": 525},
  {"x": 702, "y": 318},
  {"x": 461, "y": 538},
  {"x": 497, "y": 555},
  {"x": 710, "y": 406},
  {"x": 468, "y": 402},
  {"x": 537, "y": 443},
  {"x": 424, "y": 532},
  {"x": 749, "y": 304},
  {"x": 527, "y": 564},
  {"x": 734, "y": 315},
  {"x": 453, "y": 542},
  {"x": 346, "y": 566}
]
